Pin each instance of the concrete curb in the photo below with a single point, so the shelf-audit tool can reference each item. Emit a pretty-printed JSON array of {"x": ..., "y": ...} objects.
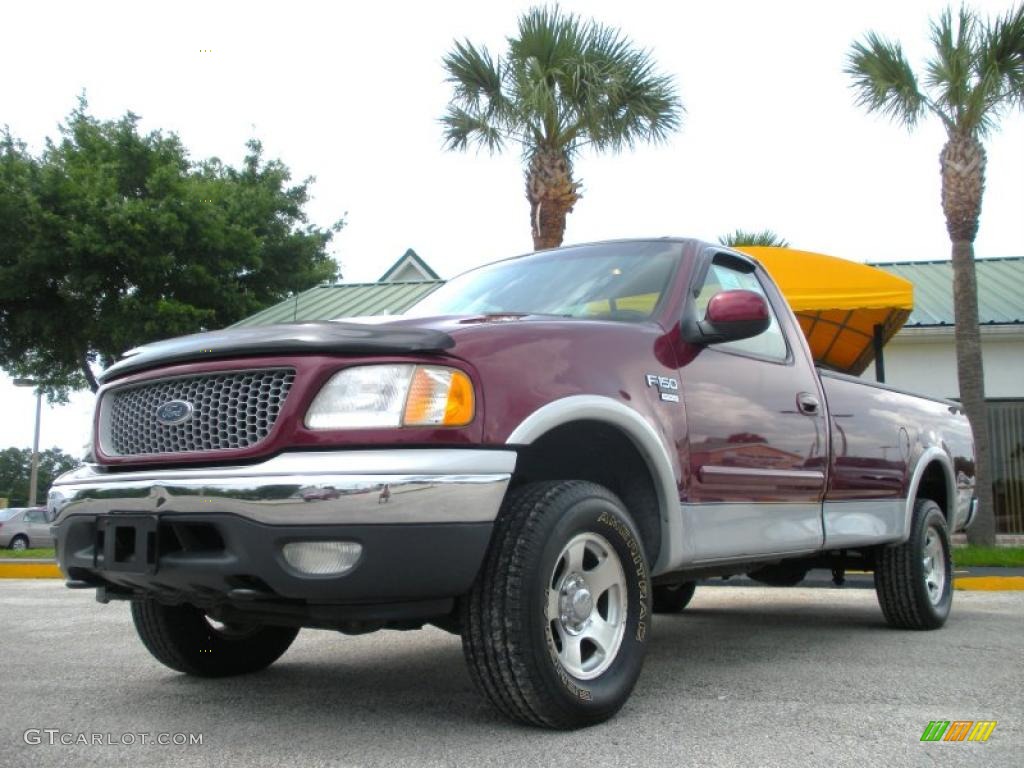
[
  {"x": 13, "y": 569},
  {"x": 990, "y": 583}
]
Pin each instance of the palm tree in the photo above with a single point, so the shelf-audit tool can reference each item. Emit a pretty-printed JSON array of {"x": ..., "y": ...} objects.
[
  {"x": 975, "y": 74},
  {"x": 563, "y": 85},
  {"x": 741, "y": 237}
]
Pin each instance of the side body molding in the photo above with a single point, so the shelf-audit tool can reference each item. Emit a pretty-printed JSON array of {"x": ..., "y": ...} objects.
[
  {"x": 931, "y": 454},
  {"x": 647, "y": 441}
]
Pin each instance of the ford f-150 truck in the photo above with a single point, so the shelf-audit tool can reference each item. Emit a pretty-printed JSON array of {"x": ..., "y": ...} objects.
[{"x": 537, "y": 456}]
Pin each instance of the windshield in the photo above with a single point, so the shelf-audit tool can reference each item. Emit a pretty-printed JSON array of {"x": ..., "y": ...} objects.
[
  {"x": 7, "y": 514},
  {"x": 610, "y": 281}
]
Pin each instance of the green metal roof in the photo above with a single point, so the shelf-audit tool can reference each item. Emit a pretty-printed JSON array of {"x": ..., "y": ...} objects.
[
  {"x": 330, "y": 302},
  {"x": 1000, "y": 290}
]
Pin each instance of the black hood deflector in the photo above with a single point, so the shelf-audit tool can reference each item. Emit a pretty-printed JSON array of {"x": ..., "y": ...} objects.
[{"x": 289, "y": 338}]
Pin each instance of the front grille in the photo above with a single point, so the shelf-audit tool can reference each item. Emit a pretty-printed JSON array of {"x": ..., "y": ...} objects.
[{"x": 230, "y": 411}]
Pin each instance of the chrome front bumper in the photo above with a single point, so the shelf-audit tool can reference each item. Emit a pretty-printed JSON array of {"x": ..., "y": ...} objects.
[{"x": 315, "y": 488}]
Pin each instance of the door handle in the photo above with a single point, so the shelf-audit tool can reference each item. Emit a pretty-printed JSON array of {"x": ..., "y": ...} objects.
[{"x": 808, "y": 403}]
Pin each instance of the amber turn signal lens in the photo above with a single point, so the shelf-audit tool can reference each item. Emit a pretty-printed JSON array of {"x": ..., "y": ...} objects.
[{"x": 439, "y": 397}]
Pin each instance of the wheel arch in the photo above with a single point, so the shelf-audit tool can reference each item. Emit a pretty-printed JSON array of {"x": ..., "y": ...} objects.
[
  {"x": 934, "y": 479},
  {"x": 560, "y": 421}
]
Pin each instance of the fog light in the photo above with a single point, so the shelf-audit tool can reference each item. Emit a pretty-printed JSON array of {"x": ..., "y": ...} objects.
[{"x": 322, "y": 558}]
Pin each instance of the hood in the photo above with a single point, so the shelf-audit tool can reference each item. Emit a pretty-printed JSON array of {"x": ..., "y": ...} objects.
[
  {"x": 381, "y": 334},
  {"x": 333, "y": 337}
]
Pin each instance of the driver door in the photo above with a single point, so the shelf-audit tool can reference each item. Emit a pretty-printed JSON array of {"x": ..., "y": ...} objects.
[{"x": 757, "y": 437}]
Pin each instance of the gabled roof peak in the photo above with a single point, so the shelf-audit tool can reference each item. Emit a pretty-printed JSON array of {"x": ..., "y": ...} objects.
[{"x": 409, "y": 267}]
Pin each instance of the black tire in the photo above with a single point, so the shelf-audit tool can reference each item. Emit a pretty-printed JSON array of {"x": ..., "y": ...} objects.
[
  {"x": 902, "y": 576},
  {"x": 673, "y": 598},
  {"x": 182, "y": 638},
  {"x": 509, "y": 642},
  {"x": 779, "y": 575},
  {"x": 19, "y": 539}
]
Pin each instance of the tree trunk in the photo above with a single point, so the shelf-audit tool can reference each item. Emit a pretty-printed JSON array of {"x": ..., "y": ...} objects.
[
  {"x": 552, "y": 194},
  {"x": 87, "y": 372},
  {"x": 963, "y": 182}
]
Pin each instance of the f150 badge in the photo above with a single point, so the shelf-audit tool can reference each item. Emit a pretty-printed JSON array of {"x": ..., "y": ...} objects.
[{"x": 668, "y": 388}]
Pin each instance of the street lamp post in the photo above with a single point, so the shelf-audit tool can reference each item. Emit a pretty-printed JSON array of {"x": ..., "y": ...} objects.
[{"x": 34, "y": 479}]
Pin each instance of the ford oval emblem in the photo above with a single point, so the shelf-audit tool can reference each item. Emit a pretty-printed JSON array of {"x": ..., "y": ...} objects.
[{"x": 174, "y": 412}]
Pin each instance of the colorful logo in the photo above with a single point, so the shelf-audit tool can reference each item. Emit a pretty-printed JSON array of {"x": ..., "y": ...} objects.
[{"x": 958, "y": 730}]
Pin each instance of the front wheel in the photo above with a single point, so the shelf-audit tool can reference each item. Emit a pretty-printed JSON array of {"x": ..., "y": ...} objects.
[
  {"x": 914, "y": 580},
  {"x": 183, "y": 638},
  {"x": 555, "y": 627}
]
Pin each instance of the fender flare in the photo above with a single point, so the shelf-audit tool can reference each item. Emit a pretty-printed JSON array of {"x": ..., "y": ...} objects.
[
  {"x": 659, "y": 461},
  {"x": 930, "y": 456}
]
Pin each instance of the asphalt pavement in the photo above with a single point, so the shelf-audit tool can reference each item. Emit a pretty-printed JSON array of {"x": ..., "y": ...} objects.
[{"x": 745, "y": 677}]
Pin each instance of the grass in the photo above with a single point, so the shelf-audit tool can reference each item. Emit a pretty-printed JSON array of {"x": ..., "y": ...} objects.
[
  {"x": 29, "y": 553},
  {"x": 1011, "y": 557}
]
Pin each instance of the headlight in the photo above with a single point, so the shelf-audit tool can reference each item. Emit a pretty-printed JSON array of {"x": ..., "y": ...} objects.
[{"x": 373, "y": 396}]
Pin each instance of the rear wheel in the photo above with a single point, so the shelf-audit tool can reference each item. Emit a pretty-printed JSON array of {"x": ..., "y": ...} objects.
[
  {"x": 19, "y": 543},
  {"x": 554, "y": 629},
  {"x": 914, "y": 580},
  {"x": 183, "y": 638},
  {"x": 673, "y": 598}
]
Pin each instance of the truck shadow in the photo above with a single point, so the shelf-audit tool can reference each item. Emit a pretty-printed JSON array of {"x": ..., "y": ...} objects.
[{"x": 418, "y": 679}]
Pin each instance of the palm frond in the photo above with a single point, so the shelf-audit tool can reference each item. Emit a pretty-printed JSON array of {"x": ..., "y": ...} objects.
[
  {"x": 548, "y": 37},
  {"x": 542, "y": 59},
  {"x": 950, "y": 72},
  {"x": 476, "y": 77},
  {"x": 765, "y": 237},
  {"x": 884, "y": 80},
  {"x": 1000, "y": 63},
  {"x": 616, "y": 97},
  {"x": 464, "y": 128}
]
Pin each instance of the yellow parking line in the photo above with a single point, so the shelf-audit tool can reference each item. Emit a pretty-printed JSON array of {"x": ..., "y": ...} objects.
[
  {"x": 991, "y": 583},
  {"x": 15, "y": 570}
]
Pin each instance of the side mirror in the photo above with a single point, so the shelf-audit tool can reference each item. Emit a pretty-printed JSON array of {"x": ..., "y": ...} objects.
[{"x": 731, "y": 316}]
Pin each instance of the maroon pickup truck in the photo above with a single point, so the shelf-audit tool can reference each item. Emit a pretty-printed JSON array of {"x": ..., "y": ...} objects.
[{"x": 537, "y": 456}]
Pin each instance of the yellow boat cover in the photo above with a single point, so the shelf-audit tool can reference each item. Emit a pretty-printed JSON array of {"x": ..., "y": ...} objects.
[{"x": 838, "y": 303}]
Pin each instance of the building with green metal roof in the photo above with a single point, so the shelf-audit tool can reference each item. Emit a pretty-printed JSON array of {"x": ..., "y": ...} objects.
[
  {"x": 329, "y": 302},
  {"x": 403, "y": 284},
  {"x": 1000, "y": 291}
]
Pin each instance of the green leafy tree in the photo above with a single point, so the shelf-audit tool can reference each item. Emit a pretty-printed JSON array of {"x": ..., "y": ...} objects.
[
  {"x": 16, "y": 470},
  {"x": 765, "y": 237},
  {"x": 973, "y": 76},
  {"x": 111, "y": 238},
  {"x": 564, "y": 85}
]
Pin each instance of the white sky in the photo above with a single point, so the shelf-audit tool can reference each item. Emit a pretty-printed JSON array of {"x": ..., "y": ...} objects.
[{"x": 351, "y": 93}]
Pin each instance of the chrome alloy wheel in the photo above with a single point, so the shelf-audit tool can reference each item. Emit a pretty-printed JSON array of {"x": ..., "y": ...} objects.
[
  {"x": 586, "y": 606},
  {"x": 934, "y": 562}
]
